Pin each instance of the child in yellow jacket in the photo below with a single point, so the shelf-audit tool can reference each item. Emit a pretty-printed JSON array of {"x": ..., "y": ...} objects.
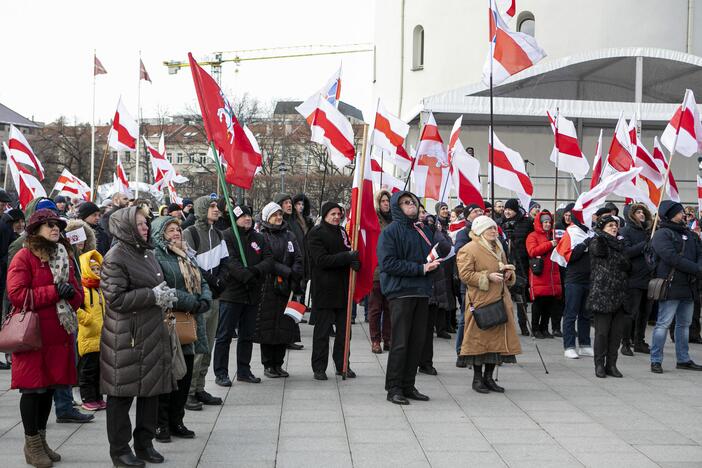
[{"x": 90, "y": 318}]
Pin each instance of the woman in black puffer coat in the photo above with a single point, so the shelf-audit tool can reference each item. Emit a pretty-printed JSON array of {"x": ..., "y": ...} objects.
[
  {"x": 274, "y": 329},
  {"x": 607, "y": 299}
]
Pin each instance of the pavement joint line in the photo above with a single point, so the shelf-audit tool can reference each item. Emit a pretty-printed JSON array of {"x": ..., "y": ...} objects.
[
  {"x": 214, "y": 424},
  {"x": 282, "y": 405}
]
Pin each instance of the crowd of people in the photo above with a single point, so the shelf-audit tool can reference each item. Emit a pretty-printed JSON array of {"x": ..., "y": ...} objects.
[{"x": 137, "y": 302}]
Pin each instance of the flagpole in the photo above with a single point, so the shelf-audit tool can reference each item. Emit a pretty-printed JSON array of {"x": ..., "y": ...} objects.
[
  {"x": 102, "y": 164},
  {"x": 354, "y": 246},
  {"x": 492, "y": 125},
  {"x": 92, "y": 133},
  {"x": 558, "y": 151},
  {"x": 665, "y": 184},
  {"x": 136, "y": 172}
]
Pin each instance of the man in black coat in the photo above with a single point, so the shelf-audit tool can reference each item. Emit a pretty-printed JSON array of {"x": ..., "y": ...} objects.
[
  {"x": 239, "y": 301},
  {"x": 679, "y": 254},
  {"x": 331, "y": 257},
  {"x": 636, "y": 235},
  {"x": 90, "y": 213}
]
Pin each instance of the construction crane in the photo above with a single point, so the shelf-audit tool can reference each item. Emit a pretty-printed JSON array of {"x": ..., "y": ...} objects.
[{"x": 216, "y": 60}]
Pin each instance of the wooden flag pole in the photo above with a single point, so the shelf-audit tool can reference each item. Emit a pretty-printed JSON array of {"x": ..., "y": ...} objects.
[
  {"x": 558, "y": 151},
  {"x": 665, "y": 185},
  {"x": 354, "y": 246},
  {"x": 102, "y": 165}
]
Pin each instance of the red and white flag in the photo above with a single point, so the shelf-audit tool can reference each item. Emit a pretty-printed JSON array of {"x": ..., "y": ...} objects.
[
  {"x": 507, "y": 8},
  {"x": 254, "y": 145},
  {"x": 566, "y": 154},
  {"x": 389, "y": 133},
  {"x": 143, "y": 74},
  {"x": 369, "y": 228},
  {"x": 19, "y": 148},
  {"x": 385, "y": 180},
  {"x": 684, "y": 131},
  {"x": 295, "y": 311},
  {"x": 28, "y": 187},
  {"x": 124, "y": 130},
  {"x": 510, "y": 52},
  {"x": 510, "y": 172},
  {"x": 98, "y": 69},
  {"x": 465, "y": 169},
  {"x": 330, "y": 128},
  {"x": 223, "y": 129},
  {"x": 621, "y": 152},
  {"x": 643, "y": 159},
  {"x": 67, "y": 183},
  {"x": 161, "y": 167},
  {"x": 120, "y": 183},
  {"x": 699, "y": 195},
  {"x": 572, "y": 237},
  {"x": 662, "y": 164},
  {"x": 172, "y": 194},
  {"x": 597, "y": 164},
  {"x": 588, "y": 202},
  {"x": 431, "y": 169},
  {"x": 430, "y": 142}
]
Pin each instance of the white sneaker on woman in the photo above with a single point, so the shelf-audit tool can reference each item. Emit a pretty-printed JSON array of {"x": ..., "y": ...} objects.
[
  {"x": 570, "y": 353},
  {"x": 586, "y": 351}
]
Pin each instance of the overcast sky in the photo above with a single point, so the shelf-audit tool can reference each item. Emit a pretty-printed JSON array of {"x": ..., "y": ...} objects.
[{"x": 48, "y": 45}]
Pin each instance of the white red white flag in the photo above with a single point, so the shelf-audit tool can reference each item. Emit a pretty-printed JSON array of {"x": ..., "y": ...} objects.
[
  {"x": 597, "y": 164},
  {"x": 572, "y": 237},
  {"x": 566, "y": 154},
  {"x": 643, "y": 159},
  {"x": 389, "y": 133},
  {"x": 119, "y": 179},
  {"x": 143, "y": 74},
  {"x": 588, "y": 202},
  {"x": 510, "y": 172},
  {"x": 684, "y": 131},
  {"x": 254, "y": 145},
  {"x": 67, "y": 183},
  {"x": 383, "y": 179},
  {"x": 162, "y": 169},
  {"x": 124, "y": 130},
  {"x": 330, "y": 128},
  {"x": 22, "y": 152},
  {"x": 662, "y": 164},
  {"x": 430, "y": 142},
  {"x": 507, "y": 8},
  {"x": 464, "y": 169},
  {"x": 431, "y": 169},
  {"x": 98, "y": 68},
  {"x": 28, "y": 187},
  {"x": 172, "y": 194}
]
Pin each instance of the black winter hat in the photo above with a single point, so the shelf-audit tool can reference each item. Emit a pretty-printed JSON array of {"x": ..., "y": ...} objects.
[
  {"x": 173, "y": 207},
  {"x": 602, "y": 211},
  {"x": 612, "y": 207},
  {"x": 86, "y": 209},
  {"x": 4, "y": 197},
  {"x": 606, "y": 219},
  {"x": 327, "y": 206},
  {"x": 569, "y": 207},
  {"x": 15, "y": 214},
  {"x": 241, "y": 210},
  {"x": 467, "y": 210},
  {"x": 669, "y": 209},
  {"x": 512, "y": 204}
]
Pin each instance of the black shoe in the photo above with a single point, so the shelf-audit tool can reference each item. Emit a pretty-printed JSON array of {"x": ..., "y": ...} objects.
[
  {"x": 656, "y": 368},
  {"x": 444, "y": 335},
  {"x": 600, "y": 371},
  {"x": 386, "y": 346},
  {"x": 538, "y": 335},
  {"x": 303, "y": 321},
  {"x": 397, "y": 398},
  {"x": 5, "y": 366},
  {"x": 320, "y": 375},
  {"x": 479, "y": 385},
  {"x": 626, "y": 350},
  {"x": 461, "y": 361},
  {"x": 207, "y": 399},
  {"x": 181, "y": 431},
  {"x": 349, "y": 373},
  {"x": 547, "y": 334},
  {"x": 128, "y": 460},
  {"x": 162, "y": 435},
  {"x": 74, "y": 416},
  {"x": 413, "y": 394},
  {"x": 524, "y": 329},
  {"x": 492, "y": 385},
  {"x": 281, "y": 372},
  {"x": 430, "y": 370},
  {"x": 613, "y": 372},
  {"x": 689, "y": 365},
  {"x": 192, "y": 404},
  {"x": 295, "y": 346},
  {"x": 558, "y": 333},
  {"x": 249, "y": 378},
  {"x": 642, "y": 348},
  {"x": 271, "y": 373},
  {"x": 223, "y": 381},
  {"x": 149, "y": 454}
]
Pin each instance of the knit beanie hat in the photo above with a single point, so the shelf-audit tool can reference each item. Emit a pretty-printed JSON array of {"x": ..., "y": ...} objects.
[
  {"x": 606, "y": 219},
  {"x": 512, "y": 204},
  {"x": 327, "y": 206},
  {"x": 86, "y": 209},
  {"x": 481, "y": 224},
  {"x": 240, "y": 211},
  {"x": 268, "y": 210}
]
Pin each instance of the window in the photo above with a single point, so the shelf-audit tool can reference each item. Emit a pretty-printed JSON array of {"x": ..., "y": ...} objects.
[
  {"x": 418, "y": 48},
  {"x": 169, "y": 157},
  {"x": 526, "y": 23},
  {"x": 179, "y": 158}
]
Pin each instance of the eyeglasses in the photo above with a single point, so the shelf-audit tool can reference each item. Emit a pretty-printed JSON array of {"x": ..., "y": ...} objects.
[
  {"x": 53, "y": 224},
  {"x": 408, "y": 202}
]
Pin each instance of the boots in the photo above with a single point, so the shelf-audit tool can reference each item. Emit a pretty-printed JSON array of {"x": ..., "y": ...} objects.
[
  {"x": 626, "y": 349},
  {"x": 479, "y": 385},
  {"x": 52, "y": 455},
  {"x": 34, "y": 453}
]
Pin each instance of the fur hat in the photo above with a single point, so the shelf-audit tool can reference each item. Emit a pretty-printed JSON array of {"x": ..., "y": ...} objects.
[
  {"x": 605, "y": 220},
  {"x": 481, "y": 224},
  {"x": 268, "y": 210},
  {"x": 40, "y": 217}
]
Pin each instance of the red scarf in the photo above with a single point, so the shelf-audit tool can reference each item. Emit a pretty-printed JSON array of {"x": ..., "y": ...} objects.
[{"x": 92, "y": 283}]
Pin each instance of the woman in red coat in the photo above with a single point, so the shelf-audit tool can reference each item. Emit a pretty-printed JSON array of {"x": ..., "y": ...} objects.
[
  {"x": 44, "y": 269},
  {"x": 544, "y": 288}
]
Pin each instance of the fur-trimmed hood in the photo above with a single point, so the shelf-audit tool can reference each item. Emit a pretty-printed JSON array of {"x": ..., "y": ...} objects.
[
  {"x": 633, "y": 208},
  {"x": 90, "y": 242}
]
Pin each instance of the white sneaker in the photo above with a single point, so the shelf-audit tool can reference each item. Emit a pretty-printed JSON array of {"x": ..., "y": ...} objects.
[
  {"x": 570, "y": 353},
  {"x": 586, "y": 351}
]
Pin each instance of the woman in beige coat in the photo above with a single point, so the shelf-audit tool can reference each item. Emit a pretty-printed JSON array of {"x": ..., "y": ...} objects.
[{"x": 482, "y": 266}]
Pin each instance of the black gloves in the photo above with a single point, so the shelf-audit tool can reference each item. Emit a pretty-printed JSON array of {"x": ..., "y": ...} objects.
[
  {"x": 355, "y": 265},
  {"x": 203, "y": 307},
  {"x": 353, "y": 255},
  {"x": 65, "y": 290},
  {"x": 295, "y": 277}
]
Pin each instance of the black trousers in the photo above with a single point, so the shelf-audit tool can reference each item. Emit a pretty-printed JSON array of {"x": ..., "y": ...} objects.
[
  {"x": 324, "y": 319},
  {"x": 171, "y": 406},
  {"x": 273, "y": 355},
  {"x": 440, "y": 320},
  {"x": 409, "y": 328},
  {"x": 608, "y": 335},
  {"x": 233, "y": 315},
  {"x": 89, "y": 377},
  {"x": 635, "y": 321},
  {"x": 35, "y": 409},
  {"x": 119, "y": 426},
  {"x": 426, "y": 359},
  {"x": 544, "y": 309}
]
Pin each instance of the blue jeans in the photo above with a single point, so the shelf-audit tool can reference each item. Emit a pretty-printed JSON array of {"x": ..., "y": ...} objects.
[
  {"x": 575, "y": 296},
  {"x": 682, "y": 312},
  {"x": 63, "y": 400}
]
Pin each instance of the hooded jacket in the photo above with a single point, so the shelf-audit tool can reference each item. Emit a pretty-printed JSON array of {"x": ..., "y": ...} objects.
[
  {"x": 402, "y": 253},
  {"x": 685, "y": 258},
  {"x": 609, "y": 274},
  {"x": 384, "y": 221},
  {"x": 636, "y": 236},
  {"x": 91, "y": 314},
  {"x": 209, "y": 245},
  {"x": 135, "y": 351},
  {"x": 538, "y": 244}
]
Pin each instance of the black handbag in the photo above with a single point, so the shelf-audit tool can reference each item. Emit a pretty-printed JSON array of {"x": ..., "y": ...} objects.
[
  {"x": 536, "y": 265},
  {"x": 491, "y": 315}
]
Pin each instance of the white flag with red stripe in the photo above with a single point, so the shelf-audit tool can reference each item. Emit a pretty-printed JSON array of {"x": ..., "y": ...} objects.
[
  {"x": 431, "y": 169},
  {"x": 572, "y": 237},
  {"x": 465, "y": 169},
  {"x": 510, "y": 52},
  {"x": 597, "y": 164},
  {"x": 644, "y": 159},
  {"x": 566, "y": 154},
  {"x": 161, "y": 167},
  {"x": 330, "y": 128},
  {"x": 684, "y": 131},
  {"x": 28, "y": 187},
  {"x": 295, "y": 311},
  {"x": 510, "y": 172},
  {"x": 588, "y": 202},
  {"x": 383, "y": 179},
  {"x": 124, "y": 130},
  {"x": 22, "y": 153},
  {"x": 430, "y": 142},
  {"x": 119, "y": 179},
  {"x": 67, "y": 183},
  {"x": 507, "y": 8},
  {"x": 662, "y": 164},
  {"x": 389, "y": 133},
  {"x": 173, "y": 196}
]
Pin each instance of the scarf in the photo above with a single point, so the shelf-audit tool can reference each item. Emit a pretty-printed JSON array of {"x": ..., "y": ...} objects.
[
  {"x": 190, "y": 272},
  {"x": 91, "y": 283},
  {"x": 59, "y": 263}
]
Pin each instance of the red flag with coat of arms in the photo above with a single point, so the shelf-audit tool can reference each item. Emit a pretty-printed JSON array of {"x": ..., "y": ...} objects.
[{"x": 223, "y": 129}]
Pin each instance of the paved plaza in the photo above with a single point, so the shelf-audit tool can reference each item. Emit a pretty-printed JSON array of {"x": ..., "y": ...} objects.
[{"x": 562, "y": 419}]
